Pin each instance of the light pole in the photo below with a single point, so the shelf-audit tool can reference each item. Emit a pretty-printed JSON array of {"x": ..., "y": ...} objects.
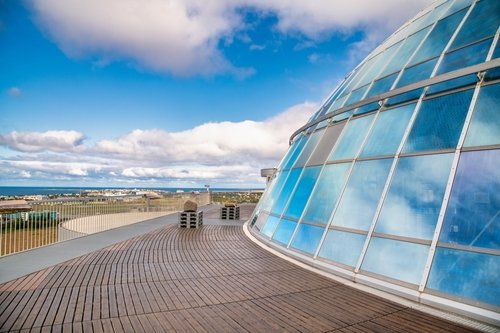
[{"x": 208, "y": 191}]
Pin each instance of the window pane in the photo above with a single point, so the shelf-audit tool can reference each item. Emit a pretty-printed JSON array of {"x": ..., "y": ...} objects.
[
  {"x": 382, "y": 85},
  {"x": 439, "y": 122},
  {"x": 388, "y": 131},
  {"x": 396, "y": 259},
  {"x": 342, "y": 247},
  {"x": 482, "y": 22},
  {"x": 406, "y": 50},
  {"x": 417, "y": 73},
  {"x": 270, "y": 199},
  {"x": 462, "y": 81},
  {"x": 302, "y": 192},
  {"x": 356, "y": 95},
  {"x": 362, "y": 194},
  {"x": 326, "y": 144},
  {"x": 260, "y": 220},
  {"x": 271, "y": 223},
  {"x": 284, "y": 231},
  {"x": 326, "y": 193},
  {"x": 439, "y": 37},
  {"x": 308, "y": 149},
  {"x": 352, "y": 138},
  {"x": 466, "y": 274},
  {"x": 295, "y": 153},
  {"x": 484, "y": 128},
  {"x": 286, "y": 191},
  {"x": 465, "y": 57},
  {"x": 473, "y": 213},
  {"x": 367, "y": 108},
  {"x": 417, "y": 188},
  {"x": 408, "y": 96},
  {"x": 307, "y": 238}
]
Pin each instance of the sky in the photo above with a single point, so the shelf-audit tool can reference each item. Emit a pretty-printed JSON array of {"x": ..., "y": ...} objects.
[{"x": 171, "y": 93}]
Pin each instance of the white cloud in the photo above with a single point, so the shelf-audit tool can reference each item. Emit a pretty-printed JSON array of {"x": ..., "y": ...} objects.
[
  {"x": 182, "y": 37},
  {"x": 225, "y": 153},
  {"x": 14, "y": 92},
  {"x": 57, "y": 141}
]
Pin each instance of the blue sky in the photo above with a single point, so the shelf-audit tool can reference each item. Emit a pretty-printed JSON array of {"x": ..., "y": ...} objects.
[{"x": 172, "y": 93}]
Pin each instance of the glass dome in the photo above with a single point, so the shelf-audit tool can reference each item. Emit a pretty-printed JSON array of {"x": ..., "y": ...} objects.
[{"x": 395, "y": 181}]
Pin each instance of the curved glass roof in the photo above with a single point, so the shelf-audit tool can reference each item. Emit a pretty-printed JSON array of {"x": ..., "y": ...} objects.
[{"x": 396, "y": 177}]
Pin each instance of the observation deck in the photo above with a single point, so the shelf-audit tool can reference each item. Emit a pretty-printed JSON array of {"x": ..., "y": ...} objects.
[{"x": 213, "y": 279}]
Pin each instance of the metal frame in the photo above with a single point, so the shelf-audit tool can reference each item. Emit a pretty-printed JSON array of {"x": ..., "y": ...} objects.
[{"x": 421, "y": 84}]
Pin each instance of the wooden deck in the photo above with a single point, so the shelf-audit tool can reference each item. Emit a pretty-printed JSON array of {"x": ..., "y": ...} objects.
[{"x": 211, "y": 279}]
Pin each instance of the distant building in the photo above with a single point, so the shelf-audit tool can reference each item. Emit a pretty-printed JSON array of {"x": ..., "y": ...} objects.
[{"x": 395, "y": 181}]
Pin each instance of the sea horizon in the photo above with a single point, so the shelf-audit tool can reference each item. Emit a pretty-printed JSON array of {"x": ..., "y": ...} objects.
[{"x": 53, "y": 190}]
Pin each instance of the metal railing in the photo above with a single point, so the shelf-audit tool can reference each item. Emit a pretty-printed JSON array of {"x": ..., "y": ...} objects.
[{"x": 52, "y": 221}]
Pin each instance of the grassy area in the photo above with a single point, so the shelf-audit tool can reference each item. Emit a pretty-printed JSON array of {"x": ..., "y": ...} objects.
[
  {"x": 235, "y": 197},
  {"x": 24, "y": 239}
]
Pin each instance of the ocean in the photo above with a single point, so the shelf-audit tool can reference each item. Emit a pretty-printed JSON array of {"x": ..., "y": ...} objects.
[{"x": 52, "y": 190}]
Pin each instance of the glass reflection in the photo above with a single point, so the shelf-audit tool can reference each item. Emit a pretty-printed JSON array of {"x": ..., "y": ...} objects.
[
  {"x": 439, "y": 122},
  {"x": 356, "y": 95},
  {"x": 364, "y": 188},
  {"x": 307, "y": 238},
  {"x": 396, "y": 259},
  {"x": 382, "y": 85},
  {"x": 299, "y": 144},
  {"x": 302, "y": 192},
  {"x": 438, "y": 38},
  {"x": 342, "y": 247},
  {"x": 325, "y": 194},
  {"x": 388, "y": 131},
  {"x": 415, "y": 195},
  {"x": 465, "y": 57},
  {"x": 484, "y": 128},
  {"x": 473, "y": 214},
  {"x": 482, "y": 22},
  {"x": 351, "y": 139},
  {"x": 466, "y": 275},
  {"x": 284, "y": 231},
  {"x": 274, "y": 191},
  {"x": 417, "y": 73},
  {"x": 309, "y": 148},
  {"x": 282, "y": 199},
  {"x": 271, "y": 224}
]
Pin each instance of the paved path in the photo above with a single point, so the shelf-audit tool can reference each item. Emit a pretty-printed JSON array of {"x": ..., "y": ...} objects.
[{"x": 212, "y": 279}]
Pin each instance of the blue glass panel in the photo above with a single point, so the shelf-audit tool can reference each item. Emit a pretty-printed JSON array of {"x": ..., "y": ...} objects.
[
  {"x": 406, "y": 50},
  {"x": 342, "y": 116},
  {"x": 417, "y": 73},
  {"x": 473, "y": 214},
  {"x": 293, "y": 157},
  {"x": 386, "y": 59},
  {"x": 433, "y": 15},
  {"x": 466, "y": 275},
  {"x": 351, "y": 139},
  {"x": 270, "y": 199},
  {"x": 396, "y": 259},
  {"x": 408, "y": 96},
  {"x": 342, "y": 247},
  {"x": 484, "y": 128},
  {"x": 461, "y": 81},
  {"x": 302, "y": 192},
  {"x": 438, "y": 38},
  {"x": 307, "y": 238},
  {"x": 388, "y": 131},
  {"x": 412, "y": 205},
  {"x": 284, "y": 231},
  {"x": 439, "y": 122},
  {"x": 367, "y": 108},
  {"x": 282, "y": 199},
  {"x": 458, "y": 5},
  {"x": 364, "y": 188},
  {"x": 482, "y": 22},
  {"x": 382, "y": 85},
  {"x": 465, "y": 57},
  {"x": 309, "y": 148},
  {"x": 339, "y": 102},
  {"x": 271, "y": 223},
  {"x": 324, "y": 196},
  {"x": 356, "y": 95}
]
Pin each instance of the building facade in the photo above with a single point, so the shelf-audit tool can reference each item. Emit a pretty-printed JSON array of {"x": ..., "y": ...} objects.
[{"x": 395, "y": 181}]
